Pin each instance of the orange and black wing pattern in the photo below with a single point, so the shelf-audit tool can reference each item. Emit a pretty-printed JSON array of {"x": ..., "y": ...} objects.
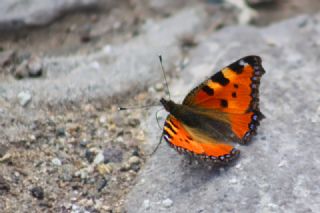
[
  {"x": 233, "y": 91},
  {"x": 190, "y": 141}
]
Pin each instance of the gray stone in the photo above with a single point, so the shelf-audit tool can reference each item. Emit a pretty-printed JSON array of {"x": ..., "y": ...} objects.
[
  {"x": 134, "y": 160},
  {"x": 279, "y": 170},
  {"x": 15, "y": 14},
  {"x": 167, "y": 6},
  {"x": 24, "y": 98},
  {"x": 56, "y": 161},
  {"x": 167, "y": 203},
  {"x": 119, "y": 69},
  {"x": 99, "y": 158},
  {"x": 34, "y": 67}
]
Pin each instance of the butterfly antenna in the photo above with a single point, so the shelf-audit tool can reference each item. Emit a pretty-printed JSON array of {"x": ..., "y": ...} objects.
[
  {"x": 157, "y": 118},
  {"x": 164, "y": 76},
  {"x": 157, "y": 145},
  {"x": 120, "y": 108}
]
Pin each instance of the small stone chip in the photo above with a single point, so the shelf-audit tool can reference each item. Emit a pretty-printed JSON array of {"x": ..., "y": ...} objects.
[
  {"x": 167, "y": 203},
  {"x": 37, "y": 192}
]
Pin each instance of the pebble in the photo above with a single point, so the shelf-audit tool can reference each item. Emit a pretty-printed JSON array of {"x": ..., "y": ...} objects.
[
  {"x": 107, "y": 49},
  {"x": 158, "y": 87},
  {"x": 233, "y": 181},
  {"x": 103, "y": 119},
  {"x": 135, "y": 167},
  {"x": 238, "y": 166},
  {"x": 101, "y": 184},
  {"x": 56, "y": 161},
  {"x": 140, "y": 136},
  {"x": 167, "y": 203},
  {"x": 24, "y": 98},
  {"x": 136, "y": 152},
  {"x": 37, "y": 192},
  {"x": 104, "y": 169},
  {"x": 283, "y": 163},
  {"x": 84, "y": 143},
  {"x": 99, "y": 158},
  {"x": 34, "y": 67},
  {"x": 125, "y": 167},
  {"x": 60, "y": 132},
  {"x": 113, "y": 154},
  {"x": 90, "y": 155},
  {"x": 134, "y": 160}
]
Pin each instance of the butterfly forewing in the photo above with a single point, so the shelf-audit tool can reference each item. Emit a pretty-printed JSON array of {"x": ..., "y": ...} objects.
[{"x": 235, "y": 91}]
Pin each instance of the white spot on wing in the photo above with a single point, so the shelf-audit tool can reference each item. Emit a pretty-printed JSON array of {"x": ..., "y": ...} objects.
[
  {"x": 243, "y": 63},
  {"x": 166, "y": 137}
]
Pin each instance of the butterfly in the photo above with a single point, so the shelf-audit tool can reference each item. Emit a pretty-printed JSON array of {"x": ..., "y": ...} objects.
[{"x": 223, "y": 108}]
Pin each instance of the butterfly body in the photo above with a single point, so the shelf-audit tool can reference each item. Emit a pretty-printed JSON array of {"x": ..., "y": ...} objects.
[{"x": 224, "y": 108}]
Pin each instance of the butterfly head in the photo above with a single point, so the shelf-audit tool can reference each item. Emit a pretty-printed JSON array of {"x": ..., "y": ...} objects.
[{"x": 168, "y": 105}]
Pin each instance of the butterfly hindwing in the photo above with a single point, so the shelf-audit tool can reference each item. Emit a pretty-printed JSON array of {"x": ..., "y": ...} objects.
[
  {"x": 234, "y": 91},
  {"x": 187, "y": 140}
]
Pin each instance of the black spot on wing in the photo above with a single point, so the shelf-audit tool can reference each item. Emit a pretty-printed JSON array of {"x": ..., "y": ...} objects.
[
  {"x": 219, "y": 78},
  {"x": 170, "y": 127},
  {"x": 236, "y": 67},
  {"x": 236, "y": 86},
  {"x": 208, "y": 90},
  {"x": 224, "y": 103},
  {"x": 165, "y": 133},
  {"x": 234, "y": 94},
  {"x": 189, "y": 138},
  {"x": 252, "y": 60}
]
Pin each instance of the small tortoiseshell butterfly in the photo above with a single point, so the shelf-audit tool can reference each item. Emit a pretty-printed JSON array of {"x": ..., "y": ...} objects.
[{"x": 224, "y": 107}]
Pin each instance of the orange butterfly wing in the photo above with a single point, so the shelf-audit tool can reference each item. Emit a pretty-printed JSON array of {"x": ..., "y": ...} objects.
[
  {"x": 235, "y": 91},
  {"x": 185, "y": 140}
]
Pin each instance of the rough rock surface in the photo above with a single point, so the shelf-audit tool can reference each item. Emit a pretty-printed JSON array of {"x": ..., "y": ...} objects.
[
  {"x": 114, "y": 69},
  {"x": 20, "y": 13},
  {"x": 279, "y": 170}
]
